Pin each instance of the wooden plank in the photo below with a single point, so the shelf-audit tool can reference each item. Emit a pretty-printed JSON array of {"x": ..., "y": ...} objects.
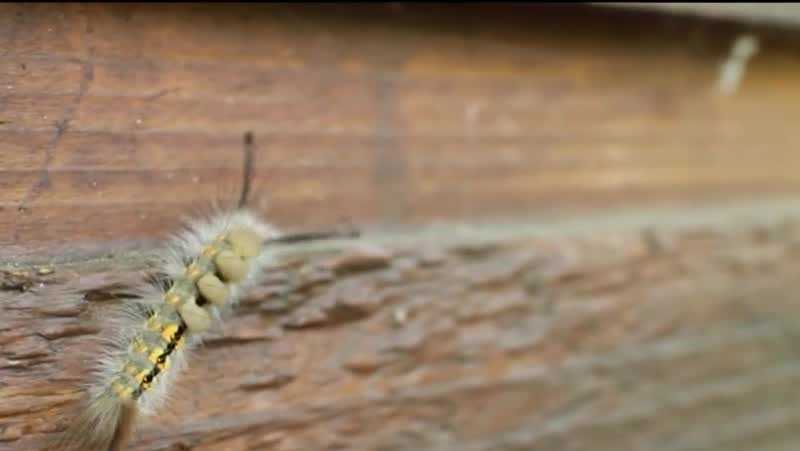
[
  {"x": 668, "y": 331},
  {"x": 608, "y": 337},
  {"x": 380, "y": 114}
]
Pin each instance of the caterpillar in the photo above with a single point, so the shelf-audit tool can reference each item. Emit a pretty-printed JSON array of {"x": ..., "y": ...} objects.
[{"x": 204, "y": 272}]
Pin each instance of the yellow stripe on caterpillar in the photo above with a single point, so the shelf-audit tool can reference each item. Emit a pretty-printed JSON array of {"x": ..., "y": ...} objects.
[
  {"x": 154, "y": 355},
  {"x": 141, "y": 375},
  {"x": 168, "y": 331},
  {"x": 183, "y": 289}
]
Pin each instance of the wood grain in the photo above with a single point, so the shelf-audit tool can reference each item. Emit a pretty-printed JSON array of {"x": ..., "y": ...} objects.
[
  {"x": 117, "y": 119},
  {"x": 665, "y": 338},
  {"x": 621, "y": 304}
]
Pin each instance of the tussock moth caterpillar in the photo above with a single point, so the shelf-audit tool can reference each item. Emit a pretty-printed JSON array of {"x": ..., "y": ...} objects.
[{"x": 204, "y": 271}]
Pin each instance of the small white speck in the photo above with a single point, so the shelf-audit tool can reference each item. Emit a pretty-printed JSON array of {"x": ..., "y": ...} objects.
[
  {"x": 138, "y": 122},
  {"x": 400, "y": 316},
  {"x": 10, "y": 87},
  {"x": 195, "y": 179},
  {"x": 44, "y": 117},
  {"x": 94, "y": 184},
  {"x": 733, "y": 69}
]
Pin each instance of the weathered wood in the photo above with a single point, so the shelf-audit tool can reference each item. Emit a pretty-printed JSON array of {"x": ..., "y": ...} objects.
[
  {"x": 115, "y": 118},
  {"x": 659, "y": 338},
  {"x": 662, "y": 332}
]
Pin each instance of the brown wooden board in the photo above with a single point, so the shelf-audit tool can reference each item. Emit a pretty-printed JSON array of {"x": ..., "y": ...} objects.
[
  {"x": 575, "y": 327},
  {"x": 115, "y": 119},
  {"x": 602, "y": 338}
]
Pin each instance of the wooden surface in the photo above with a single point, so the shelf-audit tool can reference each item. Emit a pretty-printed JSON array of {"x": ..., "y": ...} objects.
[
  {"x": 656, "y": 338},
  {"x": 116, "y": 118},
  {"x": 573, "y": 241}
]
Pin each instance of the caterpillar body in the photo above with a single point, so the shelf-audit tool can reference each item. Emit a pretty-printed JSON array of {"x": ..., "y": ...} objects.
[{"x": 206, "y": 270}]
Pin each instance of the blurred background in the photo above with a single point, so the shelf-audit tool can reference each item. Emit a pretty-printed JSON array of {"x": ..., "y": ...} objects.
[{"x": 580, "y": 219}]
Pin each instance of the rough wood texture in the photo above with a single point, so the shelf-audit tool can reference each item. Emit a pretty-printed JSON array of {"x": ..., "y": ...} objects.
[
  {"x": 598, "y": 335},
  {"x": 114, "y": 118},
  {"x": 650, "y": 339}
]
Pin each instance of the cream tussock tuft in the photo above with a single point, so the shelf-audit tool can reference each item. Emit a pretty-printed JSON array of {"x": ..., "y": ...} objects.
[{"x": 206, "y": 270}]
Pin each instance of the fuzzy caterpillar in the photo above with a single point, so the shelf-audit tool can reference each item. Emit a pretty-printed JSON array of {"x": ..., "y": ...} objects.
[
  {"x": 204, "y": 272},
  {"x": 207, "y": 269}
]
